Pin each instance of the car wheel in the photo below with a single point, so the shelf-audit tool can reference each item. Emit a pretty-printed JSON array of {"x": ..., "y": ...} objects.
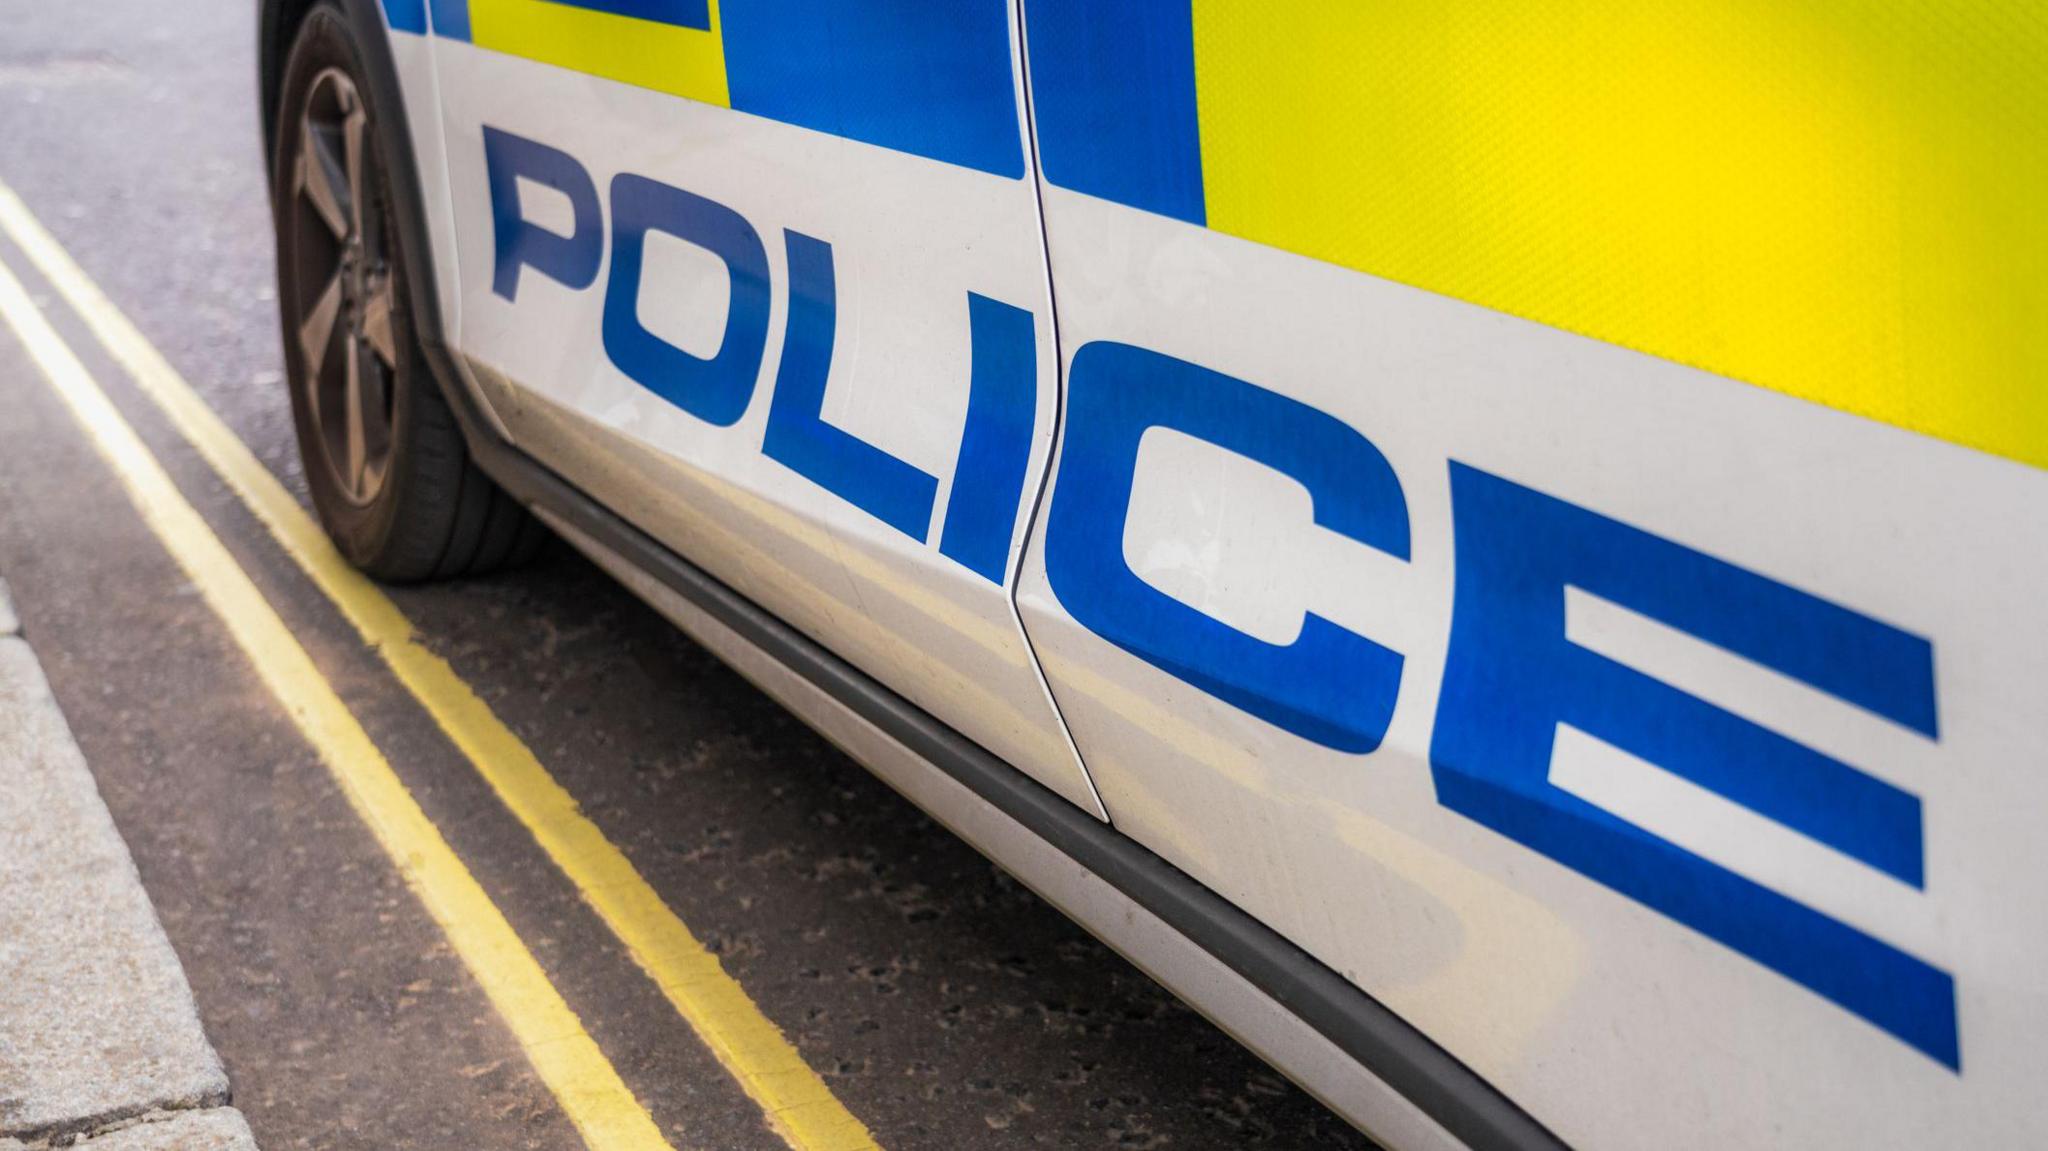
[{"x": 390, "y": 476}]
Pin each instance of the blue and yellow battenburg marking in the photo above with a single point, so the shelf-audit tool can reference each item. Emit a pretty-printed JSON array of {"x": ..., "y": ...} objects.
[
  {"x": 933, "y": 80},
  {"x": 1834, "y": 200}
]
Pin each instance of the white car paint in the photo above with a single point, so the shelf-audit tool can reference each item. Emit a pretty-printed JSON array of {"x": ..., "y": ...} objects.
[
  {"x": 1610, "y": 1022},
  {"x": 910, "y": 238}
]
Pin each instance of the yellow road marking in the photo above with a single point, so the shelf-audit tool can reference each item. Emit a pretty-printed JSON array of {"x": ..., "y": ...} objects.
[
  {"x": 796, "y": 1102},
  {"x": 590, "y": 1091}
]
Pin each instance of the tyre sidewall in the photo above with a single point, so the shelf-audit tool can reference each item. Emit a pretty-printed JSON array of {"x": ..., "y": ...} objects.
[{"x": 383, "y": 536}]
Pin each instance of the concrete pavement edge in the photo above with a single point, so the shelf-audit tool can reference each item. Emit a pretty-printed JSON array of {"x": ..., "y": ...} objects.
[{"x": 100, "y": 1040}]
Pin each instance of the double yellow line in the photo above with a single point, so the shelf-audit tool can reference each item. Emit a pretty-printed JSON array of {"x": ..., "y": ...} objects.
[{"x": 794, "y": 1100}]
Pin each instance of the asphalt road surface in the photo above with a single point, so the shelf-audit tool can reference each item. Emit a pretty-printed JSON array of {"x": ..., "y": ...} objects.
[{"x": 942, "y": 1004}]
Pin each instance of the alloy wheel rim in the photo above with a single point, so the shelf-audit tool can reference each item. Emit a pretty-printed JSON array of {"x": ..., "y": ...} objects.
[{"x": 345, "y": 339}]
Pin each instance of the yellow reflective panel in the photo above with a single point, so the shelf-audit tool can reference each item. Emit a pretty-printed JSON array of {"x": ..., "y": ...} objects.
[
  {"x": 684, "y": 62},
  {"x": 1842, "y": 201}
]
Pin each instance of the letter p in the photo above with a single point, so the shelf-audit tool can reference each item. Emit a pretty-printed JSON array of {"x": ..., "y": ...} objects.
[{"x": 571, "y": 260}]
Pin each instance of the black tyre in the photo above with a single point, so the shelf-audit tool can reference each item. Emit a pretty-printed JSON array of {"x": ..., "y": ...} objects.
[{"x": 391, "y": 479}]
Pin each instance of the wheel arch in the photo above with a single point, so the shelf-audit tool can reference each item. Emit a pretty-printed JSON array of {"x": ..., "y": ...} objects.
[{"x": 277, "y": 23}]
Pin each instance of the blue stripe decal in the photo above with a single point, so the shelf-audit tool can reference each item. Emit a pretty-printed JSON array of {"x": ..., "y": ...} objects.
[
  {"x": 682, "y": 13},
  {"x": 1113, "y": 95},
  {"x": 451, "y": 18},
  {"x": 931, "y": 79},
  {"x": 406, "y": 15}
]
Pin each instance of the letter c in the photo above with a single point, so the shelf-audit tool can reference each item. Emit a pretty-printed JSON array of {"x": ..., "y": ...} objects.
[{"x": 1331, "y": 686}]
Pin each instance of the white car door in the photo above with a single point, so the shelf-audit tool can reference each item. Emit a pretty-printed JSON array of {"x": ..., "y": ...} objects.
[
  {"x": 1548, "y": 516},
  {"x": 768, "y": 280}
]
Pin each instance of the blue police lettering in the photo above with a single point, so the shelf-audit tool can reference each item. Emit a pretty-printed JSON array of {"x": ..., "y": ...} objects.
[
  {"x": 1002, "y": 405},
  {"x": 871, "y": 479},
  {"x": 570, "y": 260},
  {"x": 996, "y": 446},
  {"x": 1511, "y": 677},
  {"x": 716, "y": 390},
  {"x": 1330, "y": 685}
]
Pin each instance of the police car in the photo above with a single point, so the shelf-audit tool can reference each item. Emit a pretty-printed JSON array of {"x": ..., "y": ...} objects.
[{"x": 1495, "y": 549}]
